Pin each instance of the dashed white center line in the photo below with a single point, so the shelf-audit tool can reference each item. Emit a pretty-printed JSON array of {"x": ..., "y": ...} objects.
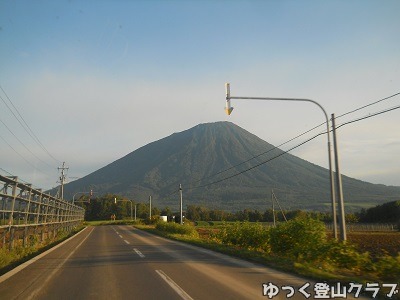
[
  {"x": 126, "y": 242},
  {"x": 120, "y": 236},
  {"x": 139, "y": 253},
  {"x": 174, "y": 286}
]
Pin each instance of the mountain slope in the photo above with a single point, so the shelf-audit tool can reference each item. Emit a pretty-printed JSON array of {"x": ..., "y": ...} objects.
[{"x": 196, "y": 157}]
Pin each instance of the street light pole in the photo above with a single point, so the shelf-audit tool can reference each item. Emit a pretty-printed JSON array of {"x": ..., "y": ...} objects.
[
  {"x": 181, "y": 200},
  {"x": 90, "y": 194},
  {"x": 130, "y": 201},
  {"x": 229, "y": 108}
]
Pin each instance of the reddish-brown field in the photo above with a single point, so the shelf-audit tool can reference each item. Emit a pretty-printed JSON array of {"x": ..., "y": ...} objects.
[{"x": 376, "y": 243}]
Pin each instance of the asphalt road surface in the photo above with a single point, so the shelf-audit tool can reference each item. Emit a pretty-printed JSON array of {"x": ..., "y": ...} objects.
[{"x": 121, "y": 262}]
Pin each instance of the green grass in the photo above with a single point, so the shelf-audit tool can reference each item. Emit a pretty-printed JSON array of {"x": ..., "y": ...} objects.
[
  {"x": 11, "y": 259},
  {"x": 332, "y": 263}
]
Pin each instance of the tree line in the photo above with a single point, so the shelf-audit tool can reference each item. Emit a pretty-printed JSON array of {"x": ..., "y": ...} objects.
[{"x": 102, "y": 208}]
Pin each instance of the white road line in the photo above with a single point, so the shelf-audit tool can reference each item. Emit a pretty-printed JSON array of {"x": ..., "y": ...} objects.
[
  {"x": 126, "y": 242},
  {"x": 31, "y": 261},
  {"x": 120, "y": 236},
  {"x": 174, "y": 286},
  {"x": 139, "y": 253},
  {"x": 58, "y": 267}
]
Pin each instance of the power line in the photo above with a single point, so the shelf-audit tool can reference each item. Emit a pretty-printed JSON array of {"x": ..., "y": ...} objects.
[
  {"x": 290, "y": 140},
  {"x": 19, "y": 179},
  {"x": 24, "y": 145},
  {"x": 256, "y": 156},
  {"x": 365, "y": 106},
  {"x": 287, "y": 151},
  {"x": 24, "y": 125},
  {"x": 6, "y": 171},
  {"x": 27, "y": 161},
  {"x": 259, "y": 164},
  {"x": 369, "y": 116}
]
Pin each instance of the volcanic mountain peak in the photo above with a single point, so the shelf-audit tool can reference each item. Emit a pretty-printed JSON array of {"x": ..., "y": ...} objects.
[{"x": 207, "y": 159}]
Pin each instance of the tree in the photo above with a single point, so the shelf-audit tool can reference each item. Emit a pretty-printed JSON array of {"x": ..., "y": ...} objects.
[
  {"x": 192, "y": 213},
  {"x": 386, "y": 213},
  {"x": 166, "y": 212}
]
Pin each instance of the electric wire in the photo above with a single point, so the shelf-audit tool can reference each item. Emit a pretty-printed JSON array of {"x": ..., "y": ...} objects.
[
  {"x": 290, "y": 140},
  {"x": 27, "y": 161},
  {"x": 370, "y": 104},
  {"x": 254, "y": 157},
  {"x": 5, "y": 125},
  {"x": 369, "y": 116},
  {"x": 259, "y": 164},
  {"x": 24, "y": 124},
  {"x": 6, "y": 171},
  {"x": 298, "y": 145},
  {"x": 19, "y": 179}
]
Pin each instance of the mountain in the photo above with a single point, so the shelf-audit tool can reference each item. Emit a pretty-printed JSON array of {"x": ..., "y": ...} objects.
[{"x": 196, "y": 158}]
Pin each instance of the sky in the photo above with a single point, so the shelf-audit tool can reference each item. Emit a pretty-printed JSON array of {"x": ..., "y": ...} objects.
[{"x": 96, "y": 80}]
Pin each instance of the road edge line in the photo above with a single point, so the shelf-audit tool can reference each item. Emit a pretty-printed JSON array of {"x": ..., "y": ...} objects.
[
  {"x": 174, "y": 286},
  {"x": 22, "y": 266}
]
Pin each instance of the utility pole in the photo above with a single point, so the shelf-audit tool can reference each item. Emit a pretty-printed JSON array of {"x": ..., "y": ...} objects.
[
  {"x": 280, "y": 207},
  {"x": 273, "y": 207},
  {"x": 135, "y": 211},
  {"x": 150, "y": 206},
  {"x": 62, "y": 179},
  {"x": 342, "y": 219},
  {"x": 180, "y": 191}
]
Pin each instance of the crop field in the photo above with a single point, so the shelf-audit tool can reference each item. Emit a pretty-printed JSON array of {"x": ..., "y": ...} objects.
[{"x": 376, "y": 243}]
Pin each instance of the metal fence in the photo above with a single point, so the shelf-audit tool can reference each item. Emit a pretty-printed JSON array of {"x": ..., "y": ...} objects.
[
  {"x": 368, "y": 227},
  {"x": 26, "y": 212}
]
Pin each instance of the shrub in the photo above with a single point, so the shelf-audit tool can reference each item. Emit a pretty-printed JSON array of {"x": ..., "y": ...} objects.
[
  {"x": 388, "y": 267},
  {"x": 345, "y": 255},
  {"x": 299, "y": 238},
  {"x": 153, "y": 220},
  {"x": 202, "y": 223},
  {"x": 246, "y": 235},
  {"x": 175, "y": 228}
]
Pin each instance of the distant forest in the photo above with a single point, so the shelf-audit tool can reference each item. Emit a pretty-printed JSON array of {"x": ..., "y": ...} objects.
[{"x": 104, "y": 207}]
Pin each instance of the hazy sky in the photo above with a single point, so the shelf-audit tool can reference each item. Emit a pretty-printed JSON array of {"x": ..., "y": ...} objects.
[{"x": 95, "y": 80}]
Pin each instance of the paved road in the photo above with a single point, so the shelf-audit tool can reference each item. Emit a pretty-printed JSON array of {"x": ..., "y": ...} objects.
[{"x": 120, "y": 262}]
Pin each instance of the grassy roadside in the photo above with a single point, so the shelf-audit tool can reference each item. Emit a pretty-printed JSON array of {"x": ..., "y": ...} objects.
[
  {"x": 341, "y": 262},
  {"x": 255, "y": 256},
  {"x": 11, "y": 259}
]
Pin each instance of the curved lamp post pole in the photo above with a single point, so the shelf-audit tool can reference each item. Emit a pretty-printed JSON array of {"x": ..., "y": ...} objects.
[
  {"x": 125, "y": 200},
  {"x": 229, "y": 108},
  {"x": 90, "y": 194}
]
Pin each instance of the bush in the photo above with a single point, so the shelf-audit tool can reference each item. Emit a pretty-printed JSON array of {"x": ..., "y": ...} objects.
[
  {"x": 153, "y": 220},
  {"x": 299, "y": 238},
  {"x": 388, "y": 267},
  {"x": 175, "y": 228},
  {"x": 202, "y": 223},
  {"x": 345, "y": 255},
  {"x": 246, "y": 235}
]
